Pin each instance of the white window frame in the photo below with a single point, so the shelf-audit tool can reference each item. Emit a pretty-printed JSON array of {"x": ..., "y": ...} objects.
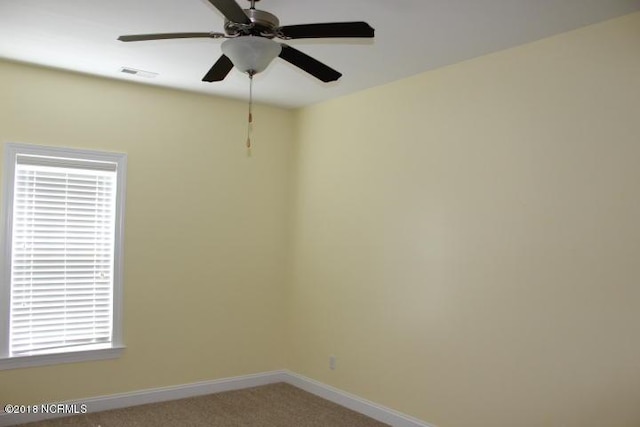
[{"x": 109, "y": 351}]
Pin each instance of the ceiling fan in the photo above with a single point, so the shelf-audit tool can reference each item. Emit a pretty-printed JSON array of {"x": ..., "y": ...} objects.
[{"x": 250, "y": 46}]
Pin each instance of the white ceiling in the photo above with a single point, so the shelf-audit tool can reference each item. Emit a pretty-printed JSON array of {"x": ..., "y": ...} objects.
[{"x": 412, "y": 36}]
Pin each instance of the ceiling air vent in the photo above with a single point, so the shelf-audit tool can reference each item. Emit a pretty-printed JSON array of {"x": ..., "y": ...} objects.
[{"x": 140, "y": 73}]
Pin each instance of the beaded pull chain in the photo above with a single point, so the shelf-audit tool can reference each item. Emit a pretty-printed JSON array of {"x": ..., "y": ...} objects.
[{"x": 250, "y": 117}]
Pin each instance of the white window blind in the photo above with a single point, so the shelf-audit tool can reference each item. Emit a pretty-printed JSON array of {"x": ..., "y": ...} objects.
[{"x": 62, "y": 263}]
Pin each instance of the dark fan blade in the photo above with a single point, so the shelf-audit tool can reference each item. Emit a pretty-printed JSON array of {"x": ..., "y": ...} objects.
[
  {"x": 327, "y": 30},
  {"x": 162, "y": 36},
  {"x": 231, "y": 10},
  {"x": 308, "y": 64},
  {"x": 219, "y": 70}
]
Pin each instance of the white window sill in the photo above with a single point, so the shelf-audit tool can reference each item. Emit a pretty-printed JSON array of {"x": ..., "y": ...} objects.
[{"x": 57, "y": 358}]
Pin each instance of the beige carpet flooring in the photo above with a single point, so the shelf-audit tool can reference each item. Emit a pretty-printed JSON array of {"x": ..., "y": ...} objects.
[{"x": 274, "y": 405}]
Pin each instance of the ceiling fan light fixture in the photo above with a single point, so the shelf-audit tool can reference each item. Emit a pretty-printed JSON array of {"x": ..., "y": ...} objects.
[{"x": 251, "y": 54}]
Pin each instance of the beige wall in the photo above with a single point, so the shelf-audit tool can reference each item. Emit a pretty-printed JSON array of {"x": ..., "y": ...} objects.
[
  {"x": 467, "y": 241},
  {"x": 464, "y": 241},
  {"x": 205, "y": 227}
]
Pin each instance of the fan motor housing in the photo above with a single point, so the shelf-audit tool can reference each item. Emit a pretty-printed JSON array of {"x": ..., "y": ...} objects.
[{"x": 262, "y": 24}]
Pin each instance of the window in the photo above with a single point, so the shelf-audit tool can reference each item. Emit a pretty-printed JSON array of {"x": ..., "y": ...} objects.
[{"x": 60, "y": 296}]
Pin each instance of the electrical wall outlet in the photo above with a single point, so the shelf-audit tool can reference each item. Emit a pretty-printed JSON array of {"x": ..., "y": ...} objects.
[{"x": 332, "y": 362}]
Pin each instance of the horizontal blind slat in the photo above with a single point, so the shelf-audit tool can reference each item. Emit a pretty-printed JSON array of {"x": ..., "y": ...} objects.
[{"x": 64, "y": 163}]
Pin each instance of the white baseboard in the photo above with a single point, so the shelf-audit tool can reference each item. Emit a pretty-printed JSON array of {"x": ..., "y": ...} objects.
[
  {"x": 163, "y": 394},
  {"x": 353, "y": 402}
]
